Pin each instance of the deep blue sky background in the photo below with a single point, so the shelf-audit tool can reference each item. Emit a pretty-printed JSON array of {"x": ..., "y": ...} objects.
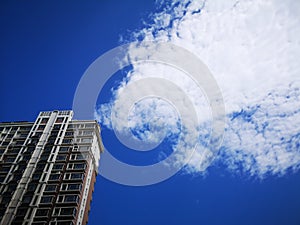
[{"x": 45, "y": 47}]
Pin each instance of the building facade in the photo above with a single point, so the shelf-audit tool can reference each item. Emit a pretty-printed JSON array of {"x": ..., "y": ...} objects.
[{"x": 48, "y": 169}]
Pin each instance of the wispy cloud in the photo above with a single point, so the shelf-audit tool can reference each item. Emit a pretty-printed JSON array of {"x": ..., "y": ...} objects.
[{"x": 253, "y": 50}]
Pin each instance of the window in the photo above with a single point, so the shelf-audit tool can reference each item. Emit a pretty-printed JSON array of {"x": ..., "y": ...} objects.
[
  {"x": 84, "y": 148},
  {"x": 71, "y": 126},
  {"x": 5, "y": 200},
  {"x": 64, "y": 187},
  {"x": 50, "y": 187},
  {"x": 74, "y": 187},
  {"x": 58, "y": 166},
  {"x": 51, "y": 140},
  {"x": 78, "y": 157},
  {"x": 27, "y": 199},
  {"x": 36, "y": 176},
  {"x": 31, "y": 187},
  {"x": 63, "y": 149},
  {"x": 79, "y": 166},
  {"x": 56, "y": 211},
  {"x": 68, "y": 211},
  {"x": 44, "y": 157},
  {"x": 12, "y": 187},
  {"x": 17, "y": 177},
  {"x": 21, "y": 212},
  {"x": 5, "y": 169},
  {"x": 41, "y": 127},
  {"x": 64, "y": 223},
  {"x": 2, "y": 177},
  {"x": 71, "y": 198},
  {"x": 60, "y": 198},
  {"x": 44, "y": 120},
  {"x": 42, "y": 212},
  {"x": 54, "y": 176},
  {"x": 40, "y": 166},
  {"x": 26, "y": 157},
  {"x": 56, "y": 126},
  {"x": 46, "y": 199},
  {"x": 67, "y": 141},
  {"x": 19, "y": 142},
  {"x": 61, "y": 157},
  {"x": 59, "y": 119},
  {"x": 86, "y": 140},
  {"x": 10, "y": 159},
  {"x": 76, "y": 176},
  {"x": 23, "y": 135},
  {"x": 54, "y": 134},
  {"x": 29, "y": 149},
  {"x": 76, "y": 166},
  {"x": 69, "y": 133},
  {"x": 48, "y": 149},
  {"x": 71, "y": 187}
]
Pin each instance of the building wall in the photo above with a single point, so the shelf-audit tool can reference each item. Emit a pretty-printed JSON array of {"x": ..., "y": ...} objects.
[{"x": 47, "y": 169}]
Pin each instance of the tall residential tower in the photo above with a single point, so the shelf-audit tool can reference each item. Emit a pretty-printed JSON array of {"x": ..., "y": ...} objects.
[{"x": 48, "y": 169}]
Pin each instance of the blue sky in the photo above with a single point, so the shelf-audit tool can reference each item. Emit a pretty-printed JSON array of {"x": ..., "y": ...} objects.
[{"x": 45, "y": 49}]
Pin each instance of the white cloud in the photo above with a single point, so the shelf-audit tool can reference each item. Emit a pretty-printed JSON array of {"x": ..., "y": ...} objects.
[{"x": 253, "y": 50}]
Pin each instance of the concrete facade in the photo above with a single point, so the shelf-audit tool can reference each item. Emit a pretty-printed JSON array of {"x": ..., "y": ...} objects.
[{"x": 48, "y": 169}]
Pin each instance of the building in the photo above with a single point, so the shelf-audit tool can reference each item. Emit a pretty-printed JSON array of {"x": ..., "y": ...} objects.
[{"x": 48, "y": 169}]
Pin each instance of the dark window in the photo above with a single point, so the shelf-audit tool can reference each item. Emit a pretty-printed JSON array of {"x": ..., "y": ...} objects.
[
  {"x": 76, "y": 176},
  {"x": 56, "y": 126},
  {"x": 31, "y": 187},
  {"x": 71, "y": 198},
  {"x": 51, "y": 140},
  {"x": 48, "y": 149},
  {"x": 44, "y": 120},
  {"x": 64, "y": 223},
  {"x": 80, "y": 156},
  {"x": 5, "y": 169},
  {"x": 60, "y": 198},
  {"x": 58, "y": 166},
  {"x": 54, "y": 133},
  {"x": 27, "y": 199},
  {"x": 79, "y": 166},
  {"x": 9, "y": 159},
  {"x": 59, "y": 120},
  {"x": 50, "y": 187},
  {"x": 26, "y": 157},
  {"x": 74, "y": 187},
  {"x": 40, "y": 166},
  {"x": 44, "y": 157},
  {"x": 30, "y": 149},
  {"x": 19, "y": 142},
  {"x": 36, "y": 176},
  {"x": 23, "y": 135},
  {"x": 61, "y": 157},
  {"x": 46, "y": 199},
  {"x": 69, "y": 133},
  {"x": 68, "y": 211},
  {"x": 5, "y": 200},
  {"x": 17, "y": 177},
  {"x": 54, "y": 177},
  {"x": 12, "y": 187},
  {"x": 21, "y": 211},
  {"x": 42, "y": 212},
  {"x": 2, "y": 177},
  {"x": 64, "y": 149},
  {"x": 41, "y": 127},
  {"x": 67, "y": 141}
]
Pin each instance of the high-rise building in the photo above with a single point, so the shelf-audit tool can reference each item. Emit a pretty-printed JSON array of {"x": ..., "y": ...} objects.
[{"x": 48, "y": 169}]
